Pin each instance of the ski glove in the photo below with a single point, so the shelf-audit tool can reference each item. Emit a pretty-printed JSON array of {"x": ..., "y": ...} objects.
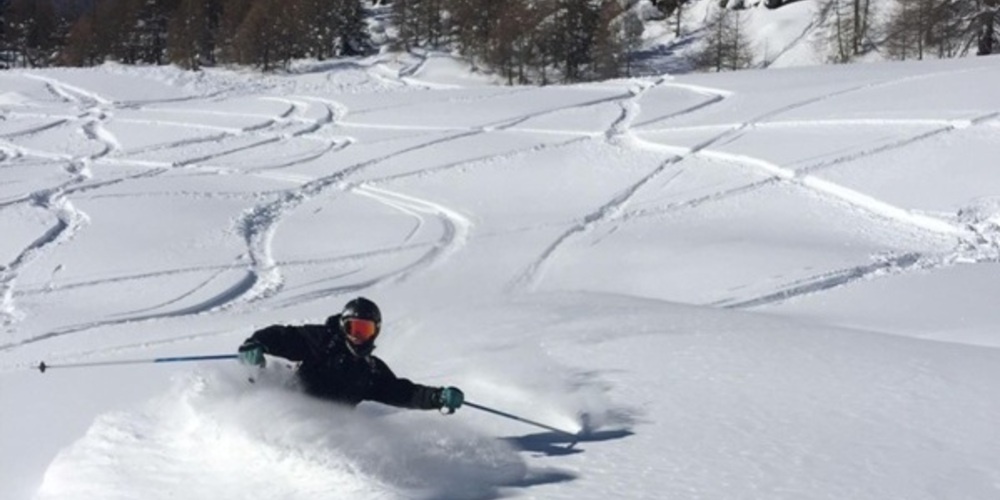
[
  {"x": 450, "y": 398},
  {"x": 252, "y": 353}
]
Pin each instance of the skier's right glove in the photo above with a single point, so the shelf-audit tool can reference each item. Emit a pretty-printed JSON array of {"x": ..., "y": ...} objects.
[
  {"x": 450, "y": 398},
  {"x": 252, "y": 353}
]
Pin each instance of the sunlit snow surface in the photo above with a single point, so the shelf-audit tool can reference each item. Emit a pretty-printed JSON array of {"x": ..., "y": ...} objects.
[{"x": 769, "y": 285}]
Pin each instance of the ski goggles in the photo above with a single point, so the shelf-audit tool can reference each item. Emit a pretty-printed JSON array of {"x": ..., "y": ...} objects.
[{"x": 360, "y": 331}]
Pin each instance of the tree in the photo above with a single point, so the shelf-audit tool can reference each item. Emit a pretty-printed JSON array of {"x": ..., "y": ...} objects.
[
  {"x": 607, "y": 51},
  {"x": 188, "y": 27},
  {"x": 231, "y": 17},
  {"x": 83, "y": 45},
  {"x": 728, "y": 46},
  {"x": 504, "y": 43},
  {"x": 352, "y": 31},
  {"x": 852, "y": 25},
  {"x": 420, "y": 22},
  {"x": 269, "y": 36},
  {"x": 931, "y": 28},
  {"x": 675, "y": 9},
  {"x": 117, "y": 29},
  {"x": 476, "y": 22},
  {"x": 30, "y": 32},
  {"x": 985, "y": 26},
  {"x": 6, "y": 54},
  {"x": 618, "y": 33},
  {"x": 632, "y": 28},
  {"x": 575, "y": 27},
  {"x": 150, "y": 31},
  {"x": 904, "y": 38}
]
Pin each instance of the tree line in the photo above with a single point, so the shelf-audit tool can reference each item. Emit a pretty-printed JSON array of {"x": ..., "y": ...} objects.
[
  {"x": 189, "y": 33},
  {"x": 905, "y": 29},
  {"x": 523, "y": 41},
  {"x": 527, "y": 41}
]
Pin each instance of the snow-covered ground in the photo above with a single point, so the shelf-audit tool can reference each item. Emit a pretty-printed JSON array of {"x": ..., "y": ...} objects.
[{"x": 774, "y": 284}]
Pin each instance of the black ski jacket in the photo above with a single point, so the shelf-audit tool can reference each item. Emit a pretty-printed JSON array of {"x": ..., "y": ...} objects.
[{"x": 329, "y": 370}]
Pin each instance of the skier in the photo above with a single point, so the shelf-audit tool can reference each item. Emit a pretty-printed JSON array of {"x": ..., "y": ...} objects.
[{"x": 336, "y": 361}]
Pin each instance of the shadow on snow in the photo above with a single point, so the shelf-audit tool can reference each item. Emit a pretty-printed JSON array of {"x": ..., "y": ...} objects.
[{"x": 556, "y": 444}]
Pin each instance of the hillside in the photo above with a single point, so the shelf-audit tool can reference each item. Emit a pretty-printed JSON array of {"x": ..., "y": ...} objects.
[{"x": 765, "y": 284}]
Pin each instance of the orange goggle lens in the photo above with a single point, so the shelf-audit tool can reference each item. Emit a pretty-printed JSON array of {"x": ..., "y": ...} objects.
[{"x": 360, "y": 331}]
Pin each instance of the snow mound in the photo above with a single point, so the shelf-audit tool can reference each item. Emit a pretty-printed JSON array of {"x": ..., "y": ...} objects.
[
  {"x": 982, "y": 218},
  {"x": 214, "y": 436},
  {"x": 983, "y": 212}
]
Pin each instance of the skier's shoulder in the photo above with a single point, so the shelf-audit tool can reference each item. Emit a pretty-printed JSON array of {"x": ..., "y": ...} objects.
[
  {"x": 318, "y": 334},
  {"x": 378, "y": 366}
]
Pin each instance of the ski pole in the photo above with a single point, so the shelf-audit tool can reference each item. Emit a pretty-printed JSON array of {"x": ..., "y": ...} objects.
[
  {"x": 177, "y": 359},
  {"x": 519, "y": 419}
]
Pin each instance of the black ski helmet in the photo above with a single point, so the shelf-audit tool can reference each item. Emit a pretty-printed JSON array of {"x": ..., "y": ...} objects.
[{"x": 361, "y": 308}]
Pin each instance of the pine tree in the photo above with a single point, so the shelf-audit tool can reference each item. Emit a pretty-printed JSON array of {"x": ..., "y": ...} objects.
[
  {"x": 351, "y": 29},
  {"x": 506, "y": 41},
  {"x": 608, "y": 42},
  {"x": 851, "y": 28},
  {"x": 985, "y": 25},
  {"x": 420, "y": 23},
  {"x": 30, "y": 32},
  {"x": 476, "y": 22},
  {"x": 930, "y": 28},
  {"x": 573, "y": 40},
  {"x": 674, "y": 9},
  {"x": 728, "y": 46},
  {"x": 187, "y": 33},
  {"x": 231, "y": 17},
  {"x": 6, "y": 57},
  {"x": 268, "y": 35},
  {"x": 154, "y": 23}
]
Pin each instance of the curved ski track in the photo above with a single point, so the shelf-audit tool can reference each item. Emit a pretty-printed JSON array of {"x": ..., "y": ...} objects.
[
  {"x": 257, "y": 225},
  {"x": 95, "y": 111},
  {"x": 971, "y": 246},
  {"x": 263, "y": 278}
]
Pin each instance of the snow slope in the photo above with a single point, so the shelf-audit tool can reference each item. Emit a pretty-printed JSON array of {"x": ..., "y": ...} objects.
[{"x": 769, "y": 284}]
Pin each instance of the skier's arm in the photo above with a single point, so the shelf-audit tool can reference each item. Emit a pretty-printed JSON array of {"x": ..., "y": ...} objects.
[
  {"x": 401, "y": 392},
  {"x": 287, "y": 342}
]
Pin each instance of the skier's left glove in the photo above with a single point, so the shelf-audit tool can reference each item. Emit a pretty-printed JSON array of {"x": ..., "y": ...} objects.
[{"x": 450, "y": 398}]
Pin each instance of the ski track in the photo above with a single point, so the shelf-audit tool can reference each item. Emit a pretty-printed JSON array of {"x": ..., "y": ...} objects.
[
  {"x": 35, "y": 130},
  {"x": 263, "y": 271},
  {"x": 94, "y": 114},
  {"x": 258, "y": 224},
  {"x": 970, "y": 246},
  {"x": 455, "y": 231},
  {"x": 455, "y": 226},
  {"x": 616, "y": 132},
  {"x": 830, "y": 280},
  {"x": 613, "y": 211},
  {"x": 69, "y": 220},
  {"x": 263, "y": 277}
]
